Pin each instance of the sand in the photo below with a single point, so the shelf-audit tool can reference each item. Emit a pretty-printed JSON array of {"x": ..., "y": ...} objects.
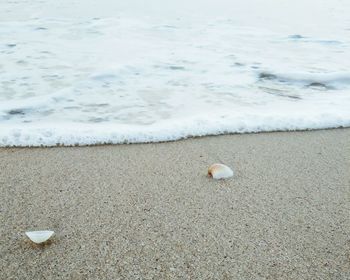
[{"x": 149, "y": 211}]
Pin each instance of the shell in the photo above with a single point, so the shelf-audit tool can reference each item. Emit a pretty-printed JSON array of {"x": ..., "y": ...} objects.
[
  {"x": 39, "y": 236},
  {"x": 220, "y": 171}
]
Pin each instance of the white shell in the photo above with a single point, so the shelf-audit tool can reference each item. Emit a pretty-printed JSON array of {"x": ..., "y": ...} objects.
[
  {"x": 39, "y": 236},
  {"x": 220, "y": 171}
]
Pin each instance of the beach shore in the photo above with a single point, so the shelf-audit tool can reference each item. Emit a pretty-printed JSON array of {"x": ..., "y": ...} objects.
[{"x": 148, "y": 211}]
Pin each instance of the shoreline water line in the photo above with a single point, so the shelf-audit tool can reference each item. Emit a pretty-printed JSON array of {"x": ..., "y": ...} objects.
[{"x": 94, "y": 144}]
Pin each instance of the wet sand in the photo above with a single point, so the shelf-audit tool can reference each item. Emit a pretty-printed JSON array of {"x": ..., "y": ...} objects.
[{"x": 149, "y": 211}]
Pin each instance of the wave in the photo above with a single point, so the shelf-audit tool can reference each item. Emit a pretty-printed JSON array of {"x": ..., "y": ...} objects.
[
  {"x": 68, "y": 77},
  {"x": 326, "y": 80},
  {"x": 94, "y": 134}
]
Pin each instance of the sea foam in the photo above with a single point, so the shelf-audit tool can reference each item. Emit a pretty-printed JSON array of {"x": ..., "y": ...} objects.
[{"x": 121, "y": 73}]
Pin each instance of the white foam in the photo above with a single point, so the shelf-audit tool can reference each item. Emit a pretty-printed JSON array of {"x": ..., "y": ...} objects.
[{"x": 74, "y": 73}]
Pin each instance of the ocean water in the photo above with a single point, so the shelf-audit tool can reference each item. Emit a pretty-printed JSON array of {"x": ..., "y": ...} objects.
[{"x": 89, "y": 72}]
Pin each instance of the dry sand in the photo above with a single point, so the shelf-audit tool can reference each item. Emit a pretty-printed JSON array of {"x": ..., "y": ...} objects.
[{"x": 149, "y": 212}]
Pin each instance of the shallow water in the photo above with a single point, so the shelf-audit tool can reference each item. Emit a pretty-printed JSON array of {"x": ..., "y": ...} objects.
[{"x": 73, "y": 72}]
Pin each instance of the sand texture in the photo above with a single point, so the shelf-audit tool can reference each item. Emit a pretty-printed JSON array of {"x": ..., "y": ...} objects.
[{"x": 149, "y": 211}]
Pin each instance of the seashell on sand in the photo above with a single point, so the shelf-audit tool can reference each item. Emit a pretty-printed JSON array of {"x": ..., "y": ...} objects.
[
  {"x": 39, "y": 236},
  {"x": 220, "y": 171}
]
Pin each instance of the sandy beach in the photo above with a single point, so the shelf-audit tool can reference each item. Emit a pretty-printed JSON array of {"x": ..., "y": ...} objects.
[{"x": 148, "y": 211}]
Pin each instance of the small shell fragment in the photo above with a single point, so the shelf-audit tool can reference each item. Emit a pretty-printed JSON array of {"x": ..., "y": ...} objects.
[
  {"x": 39, "y": 236},
  {"x": 220, "y": 171}
]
